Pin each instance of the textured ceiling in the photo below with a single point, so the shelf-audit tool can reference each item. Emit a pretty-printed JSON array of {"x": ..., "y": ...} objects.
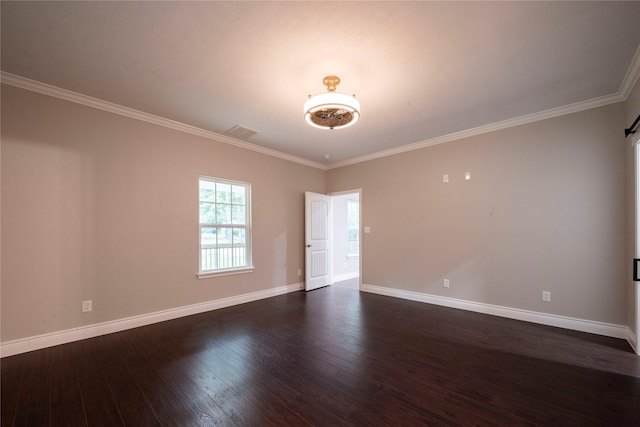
[{"x": 420, "y": 70}]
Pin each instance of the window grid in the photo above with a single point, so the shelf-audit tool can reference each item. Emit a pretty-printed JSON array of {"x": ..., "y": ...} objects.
[{"x": 225, "y": 229}]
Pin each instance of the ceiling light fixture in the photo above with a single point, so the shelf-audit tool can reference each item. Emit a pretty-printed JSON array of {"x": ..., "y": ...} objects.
[{"x": 331, "y": 110}]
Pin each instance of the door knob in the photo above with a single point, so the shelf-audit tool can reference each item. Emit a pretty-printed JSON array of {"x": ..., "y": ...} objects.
[{"x": 308, "y": 246}]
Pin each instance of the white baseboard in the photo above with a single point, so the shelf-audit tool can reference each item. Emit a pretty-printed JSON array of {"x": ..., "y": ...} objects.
[
  {"x": 24, "y": 345},
  {"x": 37, "y": 342},
  {"x": 346, "y": 276},
  {"x": 599, "y": 328}
]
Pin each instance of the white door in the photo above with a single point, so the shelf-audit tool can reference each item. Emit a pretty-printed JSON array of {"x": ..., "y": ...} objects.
[{"x": 317, "y": 240}]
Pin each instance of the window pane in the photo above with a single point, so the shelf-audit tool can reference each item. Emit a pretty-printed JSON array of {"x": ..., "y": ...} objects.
[
  {"x": 207, "y": 191},
  {"x": 207, "y": 213},
  {"x": 224, "y": 237},
  {"x": 237, "y": 216},
  {"x": 353, "y": 227},
  {"x": 223, "y": 214},
  {"x": 239, "y": 256},
  {"x": 239, "y": 237},
  {"x": 238, "y": 195},
  {"x": 353, "y": 209},
  {"x": 353, "y": 248},
  {"x": 223, "y": 193},
  {"x": 225, "y": 257},
  {"x": 208, "y": 255},
  {"x": 239, "y": 247},
  {"x": 207, "y": 195},
  {"x": 208, "y": 236}
]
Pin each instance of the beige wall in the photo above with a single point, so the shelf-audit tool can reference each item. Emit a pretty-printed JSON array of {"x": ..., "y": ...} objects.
[
  {"x": 544, "y": 210},
  {"x": 103, "y": 207},
  {"x": 632, "y": 107}
]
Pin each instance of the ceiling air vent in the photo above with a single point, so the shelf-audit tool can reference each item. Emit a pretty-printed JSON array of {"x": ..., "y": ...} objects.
[{"x": 241, "y": 132}]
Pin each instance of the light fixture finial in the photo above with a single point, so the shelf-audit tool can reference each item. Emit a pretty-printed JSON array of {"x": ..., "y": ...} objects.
[{"x": 331, "y": 82}]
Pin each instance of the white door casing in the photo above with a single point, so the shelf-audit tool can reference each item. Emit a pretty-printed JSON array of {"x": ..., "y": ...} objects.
[
  {"x": 317, "y": 240},
  {"x": 636, "y": 149}
]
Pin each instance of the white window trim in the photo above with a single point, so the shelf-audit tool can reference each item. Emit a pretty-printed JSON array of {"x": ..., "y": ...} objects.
[
  {"x": 248, "y": 234},
  {"x": 227, "y": 272}
]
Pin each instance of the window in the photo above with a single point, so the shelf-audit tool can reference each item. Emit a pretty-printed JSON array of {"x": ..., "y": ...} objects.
[
  {"x": 353, "y": 228},
  {"x": 225, "y": 226}
]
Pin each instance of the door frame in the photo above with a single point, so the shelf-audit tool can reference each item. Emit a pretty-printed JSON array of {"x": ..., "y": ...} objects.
[
  {"x": 636, "y": 160},
  {"x": 342, "y": 193}
]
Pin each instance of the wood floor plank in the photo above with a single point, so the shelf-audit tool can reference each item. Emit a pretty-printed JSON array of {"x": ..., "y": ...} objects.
[
  {"x": 12, "y": 373},
  {"x": 131, "y": 401},
  {"x": 171, "y": 363},
  {"x": 251, "y": 384},
  {"x": 64, "y": 390},
  {"x": 331, "y": 357},
  {"x": 169, "y": 407},
  {"x": 99, "y": 404},
  {"x": 33, "y": 406}
]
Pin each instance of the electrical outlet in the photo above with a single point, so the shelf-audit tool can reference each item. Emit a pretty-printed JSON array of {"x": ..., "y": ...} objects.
[
  {"x": 87, "y": 306},
  {"x": 445, "y": 178},
  {"x": 299, "y": 272},
  {"x": 546, "y": 296},
  {"x": 445, "y": 283}
]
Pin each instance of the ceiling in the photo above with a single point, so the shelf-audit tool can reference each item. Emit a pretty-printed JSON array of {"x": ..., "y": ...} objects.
[{"x": 421, "y": 70}]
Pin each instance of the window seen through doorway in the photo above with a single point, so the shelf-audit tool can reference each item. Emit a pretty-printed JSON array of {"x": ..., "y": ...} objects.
[{"x": 353, "y": 228}]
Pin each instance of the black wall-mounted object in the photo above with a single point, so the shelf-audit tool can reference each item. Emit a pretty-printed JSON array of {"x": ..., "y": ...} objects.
[
  {"x": 631, "y": 129},
  {"x": 636, "y": 269}
]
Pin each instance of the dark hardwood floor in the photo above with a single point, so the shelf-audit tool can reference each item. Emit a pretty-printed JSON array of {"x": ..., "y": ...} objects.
[{"x": 330, "y": 357}]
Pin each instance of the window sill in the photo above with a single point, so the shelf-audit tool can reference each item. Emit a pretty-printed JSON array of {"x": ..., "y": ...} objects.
[
  {"x": 208, "y": 274},
  {"x": 353, "y": 256}
]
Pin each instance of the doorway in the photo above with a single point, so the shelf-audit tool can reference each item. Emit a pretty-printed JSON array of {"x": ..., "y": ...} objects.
[
  {"x": 346, "y": 238},
  {"x": 333, "y": 239}
]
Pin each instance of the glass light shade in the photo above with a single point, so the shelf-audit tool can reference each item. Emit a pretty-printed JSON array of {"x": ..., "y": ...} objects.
[{"x": 331, "y": 110}]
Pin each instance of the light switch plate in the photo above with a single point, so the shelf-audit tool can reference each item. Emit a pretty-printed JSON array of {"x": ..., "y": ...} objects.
[{"x": 87, "y": 306}]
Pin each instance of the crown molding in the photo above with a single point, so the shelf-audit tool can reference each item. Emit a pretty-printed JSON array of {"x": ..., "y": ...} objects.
[
  {"x": 517, "y": 121},
  {"x": 631, "y": 78},
  {"x": 628, "y": 83},
  {"x": 67, "y": 95}
]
